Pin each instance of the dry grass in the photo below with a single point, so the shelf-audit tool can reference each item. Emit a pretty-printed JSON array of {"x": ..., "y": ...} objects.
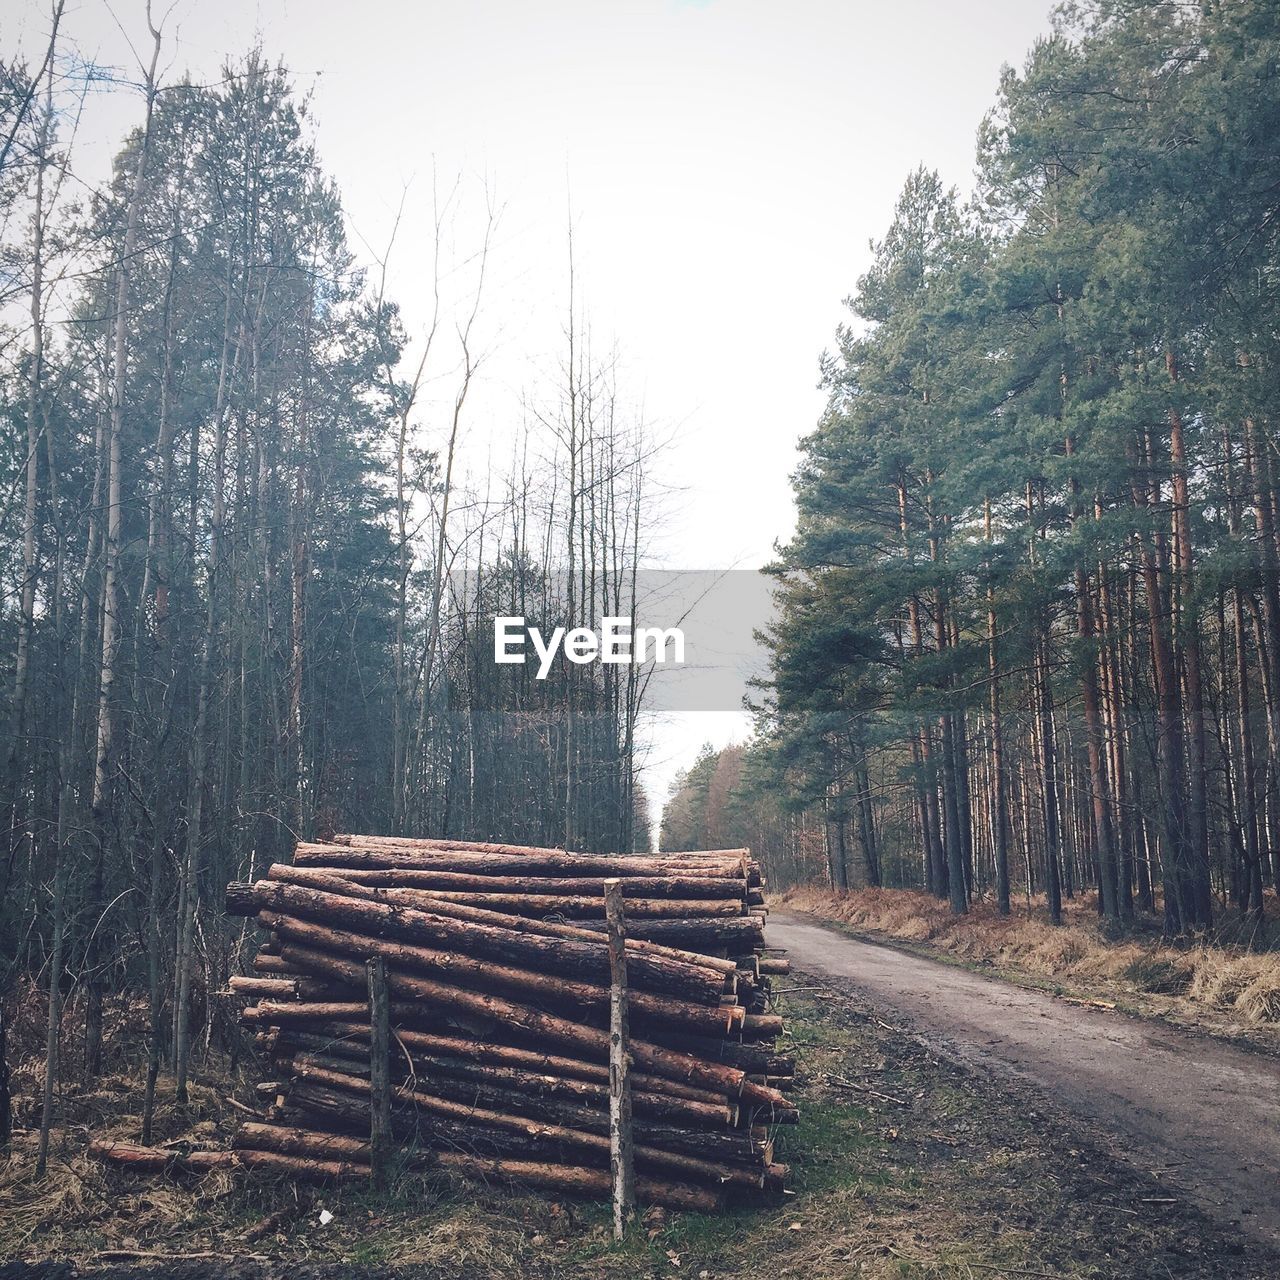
[{"x": 1204, "y": 978}]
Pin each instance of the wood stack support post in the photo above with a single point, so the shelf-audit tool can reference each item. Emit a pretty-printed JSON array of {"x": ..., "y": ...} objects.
[
  {"x": 621, "y": 1155},
  {"x": 380, "y": 1140}
]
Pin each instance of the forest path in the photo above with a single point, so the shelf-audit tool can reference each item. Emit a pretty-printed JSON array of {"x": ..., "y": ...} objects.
[{"x": 1202, "y": 1115}]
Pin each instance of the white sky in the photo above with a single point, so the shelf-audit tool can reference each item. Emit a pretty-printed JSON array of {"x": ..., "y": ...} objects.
[{"x": 728, "y": 162}]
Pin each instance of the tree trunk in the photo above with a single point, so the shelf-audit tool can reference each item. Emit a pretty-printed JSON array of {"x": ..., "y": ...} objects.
[{"x": 1200, "y": 896}]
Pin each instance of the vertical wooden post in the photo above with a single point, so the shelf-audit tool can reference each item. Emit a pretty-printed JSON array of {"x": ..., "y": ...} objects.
[
  {"x": 621, "y": 1152},
  {"x": 379, "y": 1073}
]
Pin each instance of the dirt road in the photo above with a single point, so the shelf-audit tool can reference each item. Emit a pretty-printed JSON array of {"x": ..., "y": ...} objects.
[{"x": 1203, "y": 1116}]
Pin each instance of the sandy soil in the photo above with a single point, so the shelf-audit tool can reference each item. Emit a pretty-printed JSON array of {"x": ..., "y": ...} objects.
[{"x": 1201, "y": 1115}]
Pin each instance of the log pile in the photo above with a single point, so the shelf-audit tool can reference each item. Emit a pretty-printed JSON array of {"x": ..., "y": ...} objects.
[{"x": 498, "y": 976}]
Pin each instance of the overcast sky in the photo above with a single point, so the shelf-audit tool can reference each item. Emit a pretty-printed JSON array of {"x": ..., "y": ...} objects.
[{"x": 726, "y": 162}]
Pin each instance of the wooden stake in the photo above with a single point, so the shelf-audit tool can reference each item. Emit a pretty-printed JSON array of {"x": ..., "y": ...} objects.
[
  {"x": 379, "y": 1073},
  {"x": 621, "y": 1153}
]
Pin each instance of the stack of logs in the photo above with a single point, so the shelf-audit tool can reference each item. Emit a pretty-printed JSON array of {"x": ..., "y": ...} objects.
[{"x": 498, "y": 975}]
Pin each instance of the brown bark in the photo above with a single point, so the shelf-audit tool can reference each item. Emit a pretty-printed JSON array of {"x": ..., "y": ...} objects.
[
  {"x": 1197, "y": 851},
  {"x": 301, "y": 1142},
  {"x": 1251, "y": 895},
  {"x": 739, "y": 936},
  {"x": 434, "y": 1102},
  {"x": 585, "y": 1182},
  {"x": 142, "y": 1159},
  {"x": 578, "y": 906},
  {"x": 553, "y": 988},
  {"x": 731, "y": 865},
  {"x": 660, "y": 1105},
  {"x": 301, "y": 1168},
  {"x": 1269, "y": 622},
  {"x": 269, "y": 1012},
  {"x": 261, "y": 1138},
  {"x": 312, "y": 1104},
  {"x": 1178, "y": 897},
  {"x": 282, "y": 988},
  {"x": 655, "y": 886},
  {"x": 346, "y": 882},
  {"x": 998, "y": 787},
  {"x": 587, "y": 960},
  {"x": 439, "y": 1048},
  {"x": 657, "y": 1059}
]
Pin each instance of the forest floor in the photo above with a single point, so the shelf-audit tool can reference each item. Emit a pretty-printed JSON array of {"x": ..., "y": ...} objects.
[
  {"x": 1228, "y": 987},
  {"x": 906, "y": 1164}
]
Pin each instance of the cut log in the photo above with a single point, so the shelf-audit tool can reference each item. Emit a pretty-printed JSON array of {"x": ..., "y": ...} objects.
[
  {"x": 588, "y": 960},
  {"x": 302, "y": 1142},
  {"x": 437, "y": 1102},
  {"x": 518, "y": 1162},
  {"x": 547, "y": 862},
  {"x": 458, "y": 1078},
  {"x": 268, "y": 1012},
  {"x": 680, "y": 861},
  {"x": 159, "y": 1159},
  {"x": 329, "y": 1147},
  {"x": 299, "y": 987},
  {"x": 756, "y": 1059},
  {"x": 493, "y": 1053},
  {"x": 670, "y": 1063},
  {"x": 301, "y": 1168},
  {"x": 582, "y": 907},
  {"x": 334, "y": 880},
  {"x": 666, "y": 886},
  {"x": 272, "y": 988},
  {"x": 579, "y": 1181},
  {"x": 141, "y": 1159},
  {"x": 267, "y": 962},
  {"x": 589, "y": 1000},
  {"x": 425, "y": 844},
  {"x": 761, "y": 1026},
  {"x": 738, "y": 934}
]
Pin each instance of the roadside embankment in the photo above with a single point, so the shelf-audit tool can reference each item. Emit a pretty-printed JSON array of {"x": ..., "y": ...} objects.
[{"x": 1230, "y": 989}]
